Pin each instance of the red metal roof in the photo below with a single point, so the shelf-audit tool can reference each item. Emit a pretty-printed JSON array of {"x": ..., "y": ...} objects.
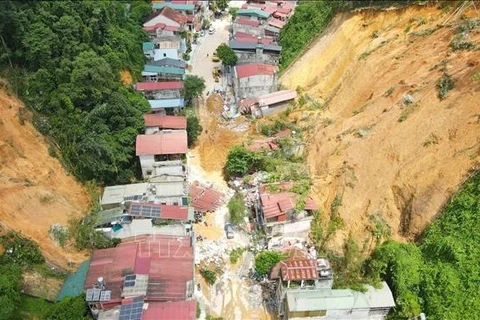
[
  {"x": 276, "y": 23},
  {"x": 274, "y": 205},
  {"x": 162, "y": 26},
  {"x": 173, "y": 15},
  {"x": 298, "y": 269},
  {"x": 259, "y": 145},
  {"x": 165, "y": 122},
  {"x": 205, "y": 198},
  {"x": 248, "y": 22},
  {"x": 174, "y": 212},
  {"x": 178, "y": 310},
  {"x": 246, "y": 37},
  {"x": 276, "y": 97},
  {"x": 174, "y": 142},
  {"x": 190, "y": 18},
  {"x": 310, "y": 205},
  {"x": 168, "y": 261},
  {"x": 269, "y": 9},
  {"x": 284, "y": 10},
  {"x": 156, "y": 86},
  {"x": 280, "y": 15},
  {"x": 249, "y": 70}
]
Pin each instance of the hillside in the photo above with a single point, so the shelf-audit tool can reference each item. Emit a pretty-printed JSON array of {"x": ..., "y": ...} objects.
[
  {"x": 35, "y": 190},
  {"x": 383, "y": 141}
]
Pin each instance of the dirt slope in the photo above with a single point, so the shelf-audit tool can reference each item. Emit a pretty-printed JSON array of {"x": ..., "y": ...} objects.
[
  {"x": 35, "y": 191},
  {"x": 396, "y": 162}
]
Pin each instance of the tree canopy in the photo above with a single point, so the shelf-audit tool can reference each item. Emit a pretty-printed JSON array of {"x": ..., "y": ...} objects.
[
  {"x": 10, "y": 285},
  {"x": 71, "y": 54},
  {"x": 193, "y": 129},
  {"x": 193, "y": 86},
  {"x": 226, "y": 54}
]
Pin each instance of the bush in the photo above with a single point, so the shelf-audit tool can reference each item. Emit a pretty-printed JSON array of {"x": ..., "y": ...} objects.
[
  {"x": 240, "y": 161},
  {"x": 209, "y": 275},
  {"x": 194, "y": 129},
  {"x": 444, "y": 85},
  {"x": 226, "y": 54},
  {"x": 19, "y": 250},
  {"x": 235, "y": 254},
  {"x": 236, "y": 207},
  {"x": 264, "y": 261},
  {"x": 10, "y": 286},
  {"x": 86, "y": 237}
]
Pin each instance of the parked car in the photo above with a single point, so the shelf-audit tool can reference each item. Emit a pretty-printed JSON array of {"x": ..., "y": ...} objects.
[
  {"x": 211, "y": 30},
  {"x": 229, "y": 231}
]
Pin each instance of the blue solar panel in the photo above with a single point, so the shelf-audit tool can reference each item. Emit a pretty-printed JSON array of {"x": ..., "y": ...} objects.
[
  {"x": 132, "y": 311},
  {"x": 131, "y": 277},
  {"x": 129, "y": 283}
]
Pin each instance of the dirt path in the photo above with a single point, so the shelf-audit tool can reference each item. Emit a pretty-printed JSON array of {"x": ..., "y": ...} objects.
[
  {"x": 391, "y": 163},
  {"x": 35, "y": 190}
]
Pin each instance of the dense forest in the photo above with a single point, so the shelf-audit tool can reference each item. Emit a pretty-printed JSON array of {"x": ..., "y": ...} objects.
[
  {"x": 441, "y": 275},
  {"x": 64, "y": 58}
]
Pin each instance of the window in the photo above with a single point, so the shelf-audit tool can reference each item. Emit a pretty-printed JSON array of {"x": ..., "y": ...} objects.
[
  {"x": 149, "y": 172},
  {"x": 175, "y": 203},
  {"x": 164, "y": 55}
]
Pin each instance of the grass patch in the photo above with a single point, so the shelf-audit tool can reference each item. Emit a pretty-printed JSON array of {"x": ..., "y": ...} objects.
[
  {"x": 209, "y": 275},
  {"x": 444, "y": 85},
  {"x": 235, "y": 255},
  {"x": 31, "y": 308},
  {"x": 389, "y": 92},
  {"x": 431, "y": 140},
  {"x": 236, "y": 207},
  {"x": 360, "y": 110},
  {"x": 407, "y": 111},
  {"x": 423, "y": 33}
]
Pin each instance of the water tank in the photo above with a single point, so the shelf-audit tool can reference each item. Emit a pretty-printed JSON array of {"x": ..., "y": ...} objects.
[{"x": 100, "y": 283}]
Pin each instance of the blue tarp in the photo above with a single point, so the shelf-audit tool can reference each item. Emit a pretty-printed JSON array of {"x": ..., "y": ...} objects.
[
  {"x": 73, "y": 285},
  {"x": 160, "y": 69},
  {"x": 166, "y": 103}
]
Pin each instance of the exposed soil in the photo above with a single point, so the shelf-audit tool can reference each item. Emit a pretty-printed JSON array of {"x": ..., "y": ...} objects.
[
  {"x": 385, "y": 158},
  {"x": 126, "y": 77},
  {"x": 35, "y": 190}
]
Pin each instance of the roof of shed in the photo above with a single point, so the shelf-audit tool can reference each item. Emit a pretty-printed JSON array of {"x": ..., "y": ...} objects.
[
  {"x": 249, "y": 70},
  {"x": 276, "y": 97},
  {"x": 168, "y": 62},
  {"x": 248, "y": 45},
  {"x": 177, "y": 310},
  {"x": 157, "y": 86},
  {"x": 165, "y": 122},
  {"x": 298, "y": 269},
  {"x": 163, "y": 69},
  {"x": 174, "y": 142},
  {"x": 247, "y": 22},
  {"x": 205, "y": 198}
]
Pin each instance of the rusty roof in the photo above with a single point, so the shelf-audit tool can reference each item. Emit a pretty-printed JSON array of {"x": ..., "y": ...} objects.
[
  {"x": 167, "y": 260},
  {"x": 162, "y": 143},
  {"x": 254, "y": 69},
  {"x": 248, "y": 22},
  {"x": 261, "y": 144},
  {"x": 173, "y": 15},
  {"x": 298, "y": 269},
  {"x": 205, "y": 198},
  {"x": 157, "y": 86},
  {"x": 274, "y": 205},
  {"x": 178, "y": 310},
  {"x": 165, "y": 122}
]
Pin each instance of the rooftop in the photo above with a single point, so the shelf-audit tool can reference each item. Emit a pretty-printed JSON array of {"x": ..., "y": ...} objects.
[
  {"x": 276, "y": 97},
  {"x": 249, "y": 70},
  {"x": 253, "y": 12},
  {"x": 249, "y": 45},
  {"x": 177, "y": 310},
  {"x": 174, "y": 142},
  {"x": 247, "y": 22},
  {"x": 274, "y": 205},
  {"x": 167, "y": 103},
  {"x": 162, "y": 69},
  {"x": 204, "y": 198},
  {"x": 165, "y": 122},
  {"x": 159, "y": 211},
  {"x": 272, "y": 29},
  {"x": 168, "y": 62},
  {"x": 160, "y": 25},
  {"x": 174, "y": 6},
  {"x": 339, "y": 299},
  {"x": 157, "y": 86},
  {"x": 246, "y": 37},
  {"x": 277, "y": 23}
]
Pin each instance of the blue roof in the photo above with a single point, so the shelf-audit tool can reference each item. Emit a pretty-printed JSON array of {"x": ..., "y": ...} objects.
[
  {"x": 166, "y": 103},
  {"x": 73, "y": 285},
  {"x": 174, "y": 6},
  {"x": 253, "y": 12},
  {"x": 148, "y": 46},
  {"x": 161, "y": 69}
]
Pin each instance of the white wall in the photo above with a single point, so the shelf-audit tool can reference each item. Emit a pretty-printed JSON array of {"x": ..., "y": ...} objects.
[
  {"x": 146, "y": 162},
  {"x": 161, "y": 19},
  {"x": 255, "y": 86},
  {"x": 165, "y": 53}
]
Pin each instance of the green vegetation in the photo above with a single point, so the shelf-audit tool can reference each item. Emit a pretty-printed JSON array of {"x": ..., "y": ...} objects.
[
  {"x": 407, "y": 111},
  {"x": 209, "y": 317},
  {"x": 198, "y": 312},
  {"x": 226, "y": 54},
  {"x": 444, "y": 85},
  {"x": 236, "y": 208},
  {"x": 10, "y": 285},
  {"x": 64, "y": 59},
  {"x": 31, "y": 308},
  {"x": 193, "y": 86},
  {"x": 235, "y": 254},
  {"x": 20, "y": 251},
  {"x": 240, "y": 161},
  {"x": 209, "y": 275},
  {"x": 440, "y": 275},
  {"x": 265, "y": 260},
  {"x": 232, "y": 11},
  {"x": 83, "y": 232},
  {"x": 194, "y": 129},
  {"x": 389, "y": 91}
]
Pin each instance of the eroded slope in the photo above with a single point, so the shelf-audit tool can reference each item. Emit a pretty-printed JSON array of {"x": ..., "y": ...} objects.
[
  {"x": 389, "y": 158},
  {"x": 35, "y": 191}
]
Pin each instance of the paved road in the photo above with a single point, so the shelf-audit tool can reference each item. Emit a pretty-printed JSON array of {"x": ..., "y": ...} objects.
[{"x": 203, "y": 65}]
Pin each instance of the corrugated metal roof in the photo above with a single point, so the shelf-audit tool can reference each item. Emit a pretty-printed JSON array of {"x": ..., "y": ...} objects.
[
  {"x": 167, "y": 103},
  {"x": 157, "y": 86},
  {"x": 279, "y": 14},
  {"x": 168, "y": 62},
  {"x": 178, "y": 310},
  {"x": 165, "y": 122},
  {"x": 163, "y": 69},
  {"x": 298, "y": 269},
  {"x": 116, "y": 194},
  {"x": 73, "y": 285},
  {"x": 247, "y": 22},
  {"x": 174, "y": 212},
  {"x": 339, "y": 299},
  {"x": 246, "y": 37},
  {"x": 272, "y": 29},
  {"x": 205, "y": 198},
  {"x": 249, "y": 70},
  {"x": 253, "y": 12},
  {"x": 174, "y": 142},
  {"x": 148, "y": 46},
  {"x": 245, "y": 45},
  {"x": 276, "y": 97},
  {"x": 276, "y": 23},
  {"x": 274, "y": 205}
]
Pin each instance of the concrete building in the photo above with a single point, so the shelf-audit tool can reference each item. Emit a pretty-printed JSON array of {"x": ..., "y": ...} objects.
[
  {"x": 163, "y": 149},
  {"x": 252, "y": 80},
  {"x": 160, "y": 90},
  {"x": 256, "y": 52},
  {"x": 254, "y": 14},
  {"x": 155, "y": 123},
  {"x": 249, "y": 26}
]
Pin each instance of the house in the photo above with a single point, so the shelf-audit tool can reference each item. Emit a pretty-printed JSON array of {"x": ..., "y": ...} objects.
[
  {"x": 252, "y": 80},
  {"x": 190, "y": 9},
  {"x": 156, "y": 122},
  {"x": 253, "y": 13},
  {"x": 169, "y": 47},
  {"x": 280, "y": 207},
  {"x": 270, "y": 103},
  {"x": 143, "y": 273},
  {"x": 345, "y": 304},
  {"x": 246, "y": 25},
  {"x": 168, "y": 62},
  {"x": 247, "y": 37},
  {"x": 152, "y": 72},
  {"x": 160, "y": 90},
  {"x": 167, "y": 106},
  {"x": 271, "y": 31},
  {"x": 161, "y": 29},
  {"x": 256, "y": 52},
  {"x": 167, "y": 16},
  {"x": 161, "y": 149}
]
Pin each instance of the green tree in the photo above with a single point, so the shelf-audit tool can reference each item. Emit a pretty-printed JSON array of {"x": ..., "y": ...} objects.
[
  {"x": 70, "y": 308},
  {"x": 236, "y": 207},
  {"x": 20, "y": 251},
  {"x": 264, "y": 261},
  {"x": 226, "y": 54},
  {"x": 232, "y": 11},
  {"x": 221, "y": 4},
  {"x": 240, "y": 161},
  {"x": 10, "y": 285},
  {"x": 194, "y": 129},
  {"x": 193, "y": 86}
]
